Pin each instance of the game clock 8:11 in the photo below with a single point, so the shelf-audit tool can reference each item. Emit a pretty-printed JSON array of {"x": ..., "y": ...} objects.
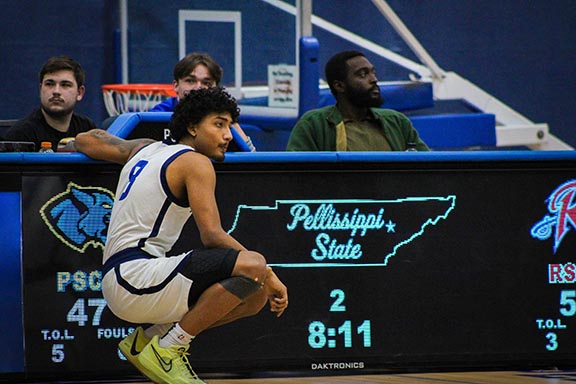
[{"x": 345, "y": 334}]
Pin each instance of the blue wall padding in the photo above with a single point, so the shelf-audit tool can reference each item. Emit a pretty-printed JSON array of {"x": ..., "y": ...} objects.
[
  {"x": 455, "y": 131},
  {"x": 321, "y": 157},
  {"x": 126, "y": 122},
  {"x": 268, "y": 123},
  {"x": 308, "y": 74},
  {"x": 390, "y": 157},
  {"x": 239, "y": 141},
  {"x": 273, "y": 140},
  {"x": 11, "y": 348}
]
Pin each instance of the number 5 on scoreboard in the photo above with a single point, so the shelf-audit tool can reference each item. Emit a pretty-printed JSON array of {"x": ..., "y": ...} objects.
[
  {"x": 58, "y": 353},
  {"x": 568, "y": 301}
]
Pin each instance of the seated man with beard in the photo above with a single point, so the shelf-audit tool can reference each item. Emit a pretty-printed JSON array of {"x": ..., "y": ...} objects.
[{"x": 355, "y": 123}]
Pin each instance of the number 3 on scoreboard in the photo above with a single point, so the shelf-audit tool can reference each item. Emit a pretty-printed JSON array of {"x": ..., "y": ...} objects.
[{"x": 552, "y": 341}]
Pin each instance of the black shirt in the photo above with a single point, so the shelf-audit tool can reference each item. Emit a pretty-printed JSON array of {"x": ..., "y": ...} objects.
[{"x": 34, "y": 128}]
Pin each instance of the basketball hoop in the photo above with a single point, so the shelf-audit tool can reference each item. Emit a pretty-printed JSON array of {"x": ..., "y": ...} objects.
[{"x": 123, "y": 98}]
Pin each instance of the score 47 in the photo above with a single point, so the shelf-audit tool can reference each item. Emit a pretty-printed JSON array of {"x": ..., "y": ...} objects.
[
  {"x": 78, "y": 313},
  {"x": 321, "y": 335}
]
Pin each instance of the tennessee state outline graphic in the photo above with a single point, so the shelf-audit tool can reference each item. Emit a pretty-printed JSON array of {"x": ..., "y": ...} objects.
[{"x": 338, "y": 233}]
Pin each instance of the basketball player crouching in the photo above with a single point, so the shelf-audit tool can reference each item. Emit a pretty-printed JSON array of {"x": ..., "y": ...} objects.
[{"x": 161, "y": 185}]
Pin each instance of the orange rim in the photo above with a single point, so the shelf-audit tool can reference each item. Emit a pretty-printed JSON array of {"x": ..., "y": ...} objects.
[{"x": 160, "y": 89}]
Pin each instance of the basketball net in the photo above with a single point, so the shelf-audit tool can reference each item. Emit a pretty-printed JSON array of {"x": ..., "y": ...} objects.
[{"x": 123, "y": 98}]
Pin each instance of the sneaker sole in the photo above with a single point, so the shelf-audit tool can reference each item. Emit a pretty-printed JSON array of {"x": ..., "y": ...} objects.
[{"x": 125, "y": 349}]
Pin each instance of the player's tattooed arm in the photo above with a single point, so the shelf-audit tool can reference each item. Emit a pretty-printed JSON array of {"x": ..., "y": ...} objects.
[{"x": 101, "y": 145}]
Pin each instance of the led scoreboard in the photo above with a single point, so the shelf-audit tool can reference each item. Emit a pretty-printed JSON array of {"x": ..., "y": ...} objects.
[{"x": 389, "y": 265}]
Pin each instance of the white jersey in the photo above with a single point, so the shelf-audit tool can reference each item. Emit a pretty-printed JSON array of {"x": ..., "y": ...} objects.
[{"x": 145, "y": 214}]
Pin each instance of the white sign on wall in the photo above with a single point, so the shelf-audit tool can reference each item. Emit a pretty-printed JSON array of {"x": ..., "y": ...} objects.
[{"x": 282, "y": 86}]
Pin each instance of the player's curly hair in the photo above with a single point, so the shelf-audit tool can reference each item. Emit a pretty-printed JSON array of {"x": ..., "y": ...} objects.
[{"x": 197, "y": 105}]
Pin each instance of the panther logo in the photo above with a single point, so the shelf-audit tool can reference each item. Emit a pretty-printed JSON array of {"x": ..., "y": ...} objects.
[{"x": 79, "y": 216}]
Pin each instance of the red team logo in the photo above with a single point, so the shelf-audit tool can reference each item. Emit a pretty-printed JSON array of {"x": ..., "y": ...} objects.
[{"x": 562, "y": 217}]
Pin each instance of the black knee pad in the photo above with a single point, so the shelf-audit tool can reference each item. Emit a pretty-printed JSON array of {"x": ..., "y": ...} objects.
[{"x": 241, "y": 286}]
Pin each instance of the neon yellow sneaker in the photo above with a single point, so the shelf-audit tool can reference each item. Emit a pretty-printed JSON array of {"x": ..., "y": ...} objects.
[
  {"x": 132, "y": 345},
  {"x": 167, "y": 365}
]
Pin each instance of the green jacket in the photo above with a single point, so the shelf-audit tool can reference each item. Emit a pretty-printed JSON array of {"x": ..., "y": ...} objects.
[{"x": 323, "y": 130}]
